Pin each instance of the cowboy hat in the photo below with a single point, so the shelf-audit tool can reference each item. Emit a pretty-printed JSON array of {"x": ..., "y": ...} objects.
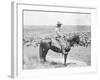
[{"x": 59, "y": 24}]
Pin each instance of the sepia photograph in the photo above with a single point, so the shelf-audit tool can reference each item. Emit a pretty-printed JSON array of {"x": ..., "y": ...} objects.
[{"x": 56, "y": 39}]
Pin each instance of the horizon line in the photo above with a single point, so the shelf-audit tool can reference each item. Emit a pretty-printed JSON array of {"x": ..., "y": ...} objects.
[{"x": 55, "y": 25}]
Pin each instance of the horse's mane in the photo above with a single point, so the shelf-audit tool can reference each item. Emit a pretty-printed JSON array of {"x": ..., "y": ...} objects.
[{"x": 74, "y": 39}]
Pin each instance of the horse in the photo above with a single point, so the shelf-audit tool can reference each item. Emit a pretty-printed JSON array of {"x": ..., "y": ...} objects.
[{"x": 46, "y": 45}]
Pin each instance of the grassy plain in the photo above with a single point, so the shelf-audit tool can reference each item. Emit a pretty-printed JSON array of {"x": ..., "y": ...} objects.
[{"x": 79, "y": 56}]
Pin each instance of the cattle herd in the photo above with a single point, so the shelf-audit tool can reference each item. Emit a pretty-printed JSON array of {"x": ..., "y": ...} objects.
[{"x": 29, "y": 39}]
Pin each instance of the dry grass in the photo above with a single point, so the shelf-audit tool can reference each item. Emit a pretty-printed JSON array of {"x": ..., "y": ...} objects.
[{"x": 78, "y": 56}]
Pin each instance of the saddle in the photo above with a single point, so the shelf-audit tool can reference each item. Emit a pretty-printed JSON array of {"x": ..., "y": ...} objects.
[{"x": 59, "y": 42}]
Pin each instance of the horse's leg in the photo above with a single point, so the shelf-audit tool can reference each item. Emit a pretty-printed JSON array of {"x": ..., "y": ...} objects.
[
  {"x": 44, "y": 55},
  {"x": 65, "y": 56}
]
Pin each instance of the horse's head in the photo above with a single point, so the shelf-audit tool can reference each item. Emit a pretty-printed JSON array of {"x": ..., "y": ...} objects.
[{"x": 74, "y": 40}]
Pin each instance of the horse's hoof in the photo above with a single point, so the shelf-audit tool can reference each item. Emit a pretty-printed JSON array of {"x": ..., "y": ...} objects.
[
  {"x": 42, "y": 61},
  {"x": 65, "y": 64}
]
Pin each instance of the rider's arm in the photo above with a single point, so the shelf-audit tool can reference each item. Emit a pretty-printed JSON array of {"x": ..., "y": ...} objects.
[{"x": 57, "y": 30}]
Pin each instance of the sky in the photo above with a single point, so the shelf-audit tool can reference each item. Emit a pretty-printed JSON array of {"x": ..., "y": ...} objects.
[{"x": 51, "y": 18}]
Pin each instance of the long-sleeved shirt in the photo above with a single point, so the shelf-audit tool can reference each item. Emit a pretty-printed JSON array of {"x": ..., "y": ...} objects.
[{"x": 58, "y": 31}]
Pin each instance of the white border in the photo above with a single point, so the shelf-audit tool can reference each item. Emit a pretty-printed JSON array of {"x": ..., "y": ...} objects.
[{"x": 17, "y": 41}]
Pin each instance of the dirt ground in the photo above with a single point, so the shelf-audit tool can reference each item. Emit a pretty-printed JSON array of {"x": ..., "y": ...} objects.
[{"x": 77, "y": 57}]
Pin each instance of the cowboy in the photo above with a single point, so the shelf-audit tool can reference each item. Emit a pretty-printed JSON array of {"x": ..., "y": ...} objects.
[
  {"x": 59, "y": 41},
  {"x": 58, "y": 30}
]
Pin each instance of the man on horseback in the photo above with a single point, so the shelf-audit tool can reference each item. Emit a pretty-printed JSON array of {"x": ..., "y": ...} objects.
[
  {"x": 59, "y": 43},
  {"x": 59, "y": 37}
]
